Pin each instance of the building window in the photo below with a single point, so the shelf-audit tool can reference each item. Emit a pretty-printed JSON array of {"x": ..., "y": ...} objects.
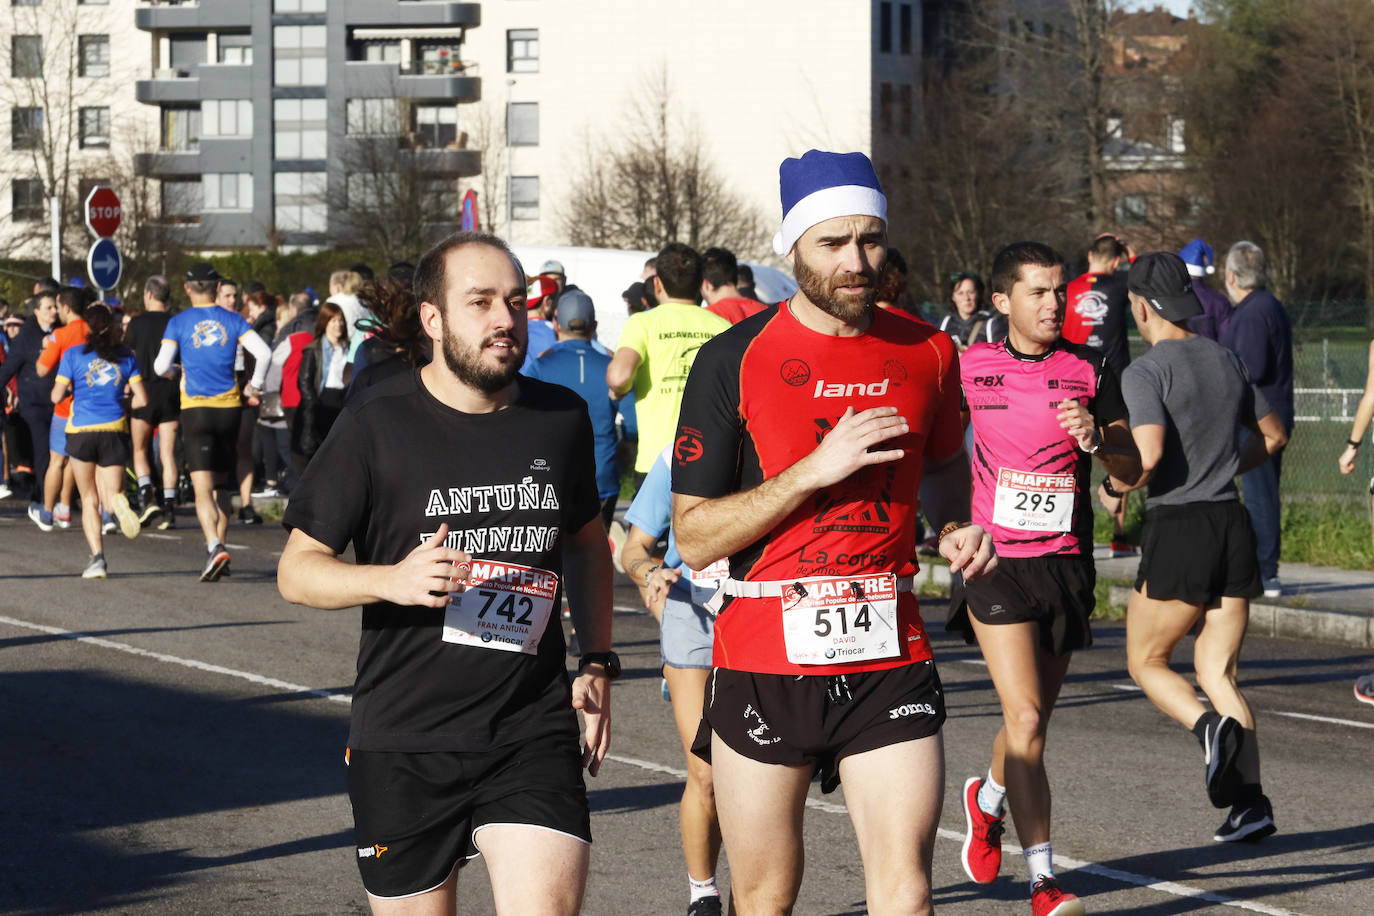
[
  {"x": 298, "y": 6},
  {"x": 378, "y": 51},
  {"x": 523, "y": 123},
  {"x": 94, "y": 55},
  {"x": 373, "y": 116},
  {"x": 26, "y": 128},
  {"x": 439, "y": 57},
  {"x": 226, "y": 118},
  {"x": 180, "y": 129},
  {"x": 904, "y": 110},
  {"x": 436, "y": 126},
  {"x": 299, "y": 128},
  {"x": 1131, "y": 210},
  {"x": 234, "y": 49},
  {"x": 522, "y": 50},
  {"x": 904, "y": 32},
  {"x": 365, "y": 191},
  {"x": 182, "y": 200},
  {"x": 185, "y": 53},
  {"x": 95, "y": 128},
  {"x": 92, "y": 3},
  {"x": 524, "y": 197},
  {"x": 298, "y": 55},
  {"x": 1175, "y": 139},
  {"x": 227, "y": 190},
  {"x": 885, "y": 107},
  {"x": 300, "y": 203},
  {"x": 1114, "y": 130},
  {"x": 26, "y": 2},
  {"x": 26, "y": 200},
  {"x": 441, "y": 200},
  {"x": 885, "y": 28},
  {"x": 26, "y": 56}
]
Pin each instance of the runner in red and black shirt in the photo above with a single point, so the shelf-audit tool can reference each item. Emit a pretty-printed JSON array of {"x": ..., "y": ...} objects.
[{"x": 803, "y": 436}]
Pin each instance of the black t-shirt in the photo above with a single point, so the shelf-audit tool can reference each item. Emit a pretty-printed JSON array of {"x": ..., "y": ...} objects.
[
  {"x": 144, "y": 336},
  {"x": 510, "y": 484}
]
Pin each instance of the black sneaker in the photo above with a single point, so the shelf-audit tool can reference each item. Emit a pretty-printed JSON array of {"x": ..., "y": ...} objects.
[
  {"x": 705, "y": 906},
  {"x": 148, "y": 506},
  {"x": 169, "y": 514},
  {"x": 1220, "y": 748},
  {"x": 249, "y": 516},
  {"x": 1252, "y": 821}
]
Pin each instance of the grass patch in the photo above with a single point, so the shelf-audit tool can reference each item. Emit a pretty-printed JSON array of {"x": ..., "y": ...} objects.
[
  {"x": 1328, "y": 533},
  {"x": 1104, "y": 609}
]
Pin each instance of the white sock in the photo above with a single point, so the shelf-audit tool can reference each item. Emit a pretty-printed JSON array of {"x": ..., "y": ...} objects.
[
  {"x": 992, "y": 797},
  {"x": 701, "y": 889},
  {"x": 1039, "y": 860}
]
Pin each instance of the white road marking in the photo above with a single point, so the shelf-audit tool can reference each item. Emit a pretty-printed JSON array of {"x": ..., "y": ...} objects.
[
  {"x": 1102, "y": 871},
  {"x": 159, "y": 537},
  {"x": 236, "y": 546},
  {"x": 1276, "y": 712}
]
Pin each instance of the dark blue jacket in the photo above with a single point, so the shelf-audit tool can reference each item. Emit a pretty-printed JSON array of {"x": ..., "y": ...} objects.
[
  {"x": 1260, "y": 334},
  {"x": 581, "y": 367},
  {"x": 1216, "y": 312},
  {"x": 22, "y": 362}
]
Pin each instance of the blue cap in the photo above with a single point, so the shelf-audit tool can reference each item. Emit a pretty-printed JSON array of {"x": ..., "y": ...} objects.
[
  {"x": 820, "y": 186},
  {"x": 1199, "y": 257}
]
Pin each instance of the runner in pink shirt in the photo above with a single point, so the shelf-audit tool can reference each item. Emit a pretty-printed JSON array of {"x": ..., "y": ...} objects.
[{"x": 1040, "y": 407}]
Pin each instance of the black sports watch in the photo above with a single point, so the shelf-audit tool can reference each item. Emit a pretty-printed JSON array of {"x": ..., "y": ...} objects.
[{"x": 608, "y": 660}]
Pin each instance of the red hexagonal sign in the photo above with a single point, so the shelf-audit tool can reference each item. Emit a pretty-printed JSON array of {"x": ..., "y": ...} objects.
[{"x": 103, "y": 212}]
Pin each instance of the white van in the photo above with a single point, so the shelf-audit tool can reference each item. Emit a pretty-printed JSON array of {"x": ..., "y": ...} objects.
[{"x": 605, "y": 273}]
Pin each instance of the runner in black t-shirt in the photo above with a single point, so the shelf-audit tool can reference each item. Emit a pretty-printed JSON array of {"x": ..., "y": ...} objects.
[
  {"x": 467, "y": 496},
  {"x": 162, "y": 412}
]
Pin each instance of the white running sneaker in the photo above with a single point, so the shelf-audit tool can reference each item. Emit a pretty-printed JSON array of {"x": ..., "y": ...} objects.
[
  {"x": 96, "y": 568},
  {"x": 1273, "y": 588},
  {"x": 129, "y": 523}
]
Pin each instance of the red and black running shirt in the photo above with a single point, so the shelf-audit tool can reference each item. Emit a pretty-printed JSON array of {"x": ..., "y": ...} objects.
[{"x": 760, "y": 397}]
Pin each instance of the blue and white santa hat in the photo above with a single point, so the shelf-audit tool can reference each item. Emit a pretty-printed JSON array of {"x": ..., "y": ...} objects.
[
  {"x": 1199, "y": 257},
  {"x": 820, "y": 186}
]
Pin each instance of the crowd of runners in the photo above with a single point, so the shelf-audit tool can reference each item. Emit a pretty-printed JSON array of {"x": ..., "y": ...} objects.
[{"x": 460, "y": 427}]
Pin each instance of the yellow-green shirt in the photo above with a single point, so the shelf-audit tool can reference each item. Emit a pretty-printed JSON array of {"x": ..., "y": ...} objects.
[{"x": 666, "y": 338}]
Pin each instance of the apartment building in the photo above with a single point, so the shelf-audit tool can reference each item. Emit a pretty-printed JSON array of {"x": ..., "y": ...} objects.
[{"x": 66, "y": 78}]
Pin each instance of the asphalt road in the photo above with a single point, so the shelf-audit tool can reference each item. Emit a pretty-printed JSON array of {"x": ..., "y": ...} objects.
[{"x": 169, "y": 747}]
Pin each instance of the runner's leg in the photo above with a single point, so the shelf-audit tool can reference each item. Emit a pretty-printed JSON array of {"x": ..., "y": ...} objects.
[
  {"x": 534, "y": 870},
  {"x": 142, "y": 432},
  {"x": 1153, "y": 629},
  {"x": 697, "y": 818},
  {"x": 212, "y": 520},
  {"x": 894, "y": 795},
  {"x": 760, "y": 807},
  {"x": 84, "y": 472},
  {"x": 1215, "y": 654},
  {"x": 442, "y": 901}
]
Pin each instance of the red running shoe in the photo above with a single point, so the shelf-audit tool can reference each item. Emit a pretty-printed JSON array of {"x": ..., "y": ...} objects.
[
  {"x": 982, "y": 855},
  {"x": 1048, "y": 900}
]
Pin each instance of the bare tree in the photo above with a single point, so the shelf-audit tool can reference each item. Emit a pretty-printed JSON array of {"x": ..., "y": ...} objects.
[
  {"x": 487, "y": 133},
  {"x": 658, "y": 186}
]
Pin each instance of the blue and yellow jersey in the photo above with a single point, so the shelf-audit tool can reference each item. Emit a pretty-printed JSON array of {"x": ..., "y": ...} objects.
[
  {"x": 97, "y": 389},
  {"x": 207, "y": 336}
]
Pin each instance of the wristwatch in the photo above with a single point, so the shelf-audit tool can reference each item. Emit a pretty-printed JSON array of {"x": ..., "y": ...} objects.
[{"x": 608, "y": 660}]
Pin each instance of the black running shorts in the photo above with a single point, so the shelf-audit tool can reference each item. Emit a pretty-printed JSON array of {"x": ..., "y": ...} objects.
[
  {"x": 211, "y": 435},
  {"x": 164, "y": 403},
  {"x": 1198, "y": 553},
  {"x": 796, "y": 721},
  {"x": 416, "y": 815},
  {"x": 104, "y": 449},
  {"x": 1056, "y": 593}
]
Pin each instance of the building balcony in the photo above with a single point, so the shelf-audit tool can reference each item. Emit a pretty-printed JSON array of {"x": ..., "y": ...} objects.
[
  {"x": 167, "y": 86},
  {"x": 385, "y": 80},
  {"x": 411, "y": 13},
  {"x": 167, "y": 164},
  {"x": 441, "y": 163},
  {"x": 175, "y": 16}
]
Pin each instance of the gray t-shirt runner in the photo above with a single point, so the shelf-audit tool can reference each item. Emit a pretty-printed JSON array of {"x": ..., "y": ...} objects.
[{"x": 1200, "y": 393}]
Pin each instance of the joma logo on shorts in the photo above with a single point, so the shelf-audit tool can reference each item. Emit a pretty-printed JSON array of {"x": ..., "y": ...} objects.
[
  {"x": 372, "y": 852},
  {"x": 911, "y": 709}
]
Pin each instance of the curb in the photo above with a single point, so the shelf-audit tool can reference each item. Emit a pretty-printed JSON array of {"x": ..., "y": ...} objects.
[{"x": 1313, "y": 624}]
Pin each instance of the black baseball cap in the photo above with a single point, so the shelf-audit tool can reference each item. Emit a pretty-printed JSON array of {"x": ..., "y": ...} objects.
[
  {"x": 1161, "y": 279},
  {"x": 202, "y": 272}
]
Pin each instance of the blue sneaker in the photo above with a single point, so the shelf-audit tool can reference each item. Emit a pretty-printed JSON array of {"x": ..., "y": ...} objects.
[{"x": 40, "y": 516}]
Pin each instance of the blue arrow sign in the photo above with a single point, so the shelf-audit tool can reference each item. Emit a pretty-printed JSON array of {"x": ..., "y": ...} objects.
[{"x": 103, "y": 264}]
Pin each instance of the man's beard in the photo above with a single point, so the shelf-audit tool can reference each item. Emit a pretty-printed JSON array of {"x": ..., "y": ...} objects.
[
  {"x": 821, "y": 291},
  {"x": 466, "y": 363}
]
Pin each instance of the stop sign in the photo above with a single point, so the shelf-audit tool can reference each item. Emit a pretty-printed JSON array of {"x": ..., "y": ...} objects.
[{"x": 102, "y": 212}]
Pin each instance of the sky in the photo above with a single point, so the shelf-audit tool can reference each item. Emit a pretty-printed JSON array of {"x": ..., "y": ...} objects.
[{"x": 1177, "y": 7}]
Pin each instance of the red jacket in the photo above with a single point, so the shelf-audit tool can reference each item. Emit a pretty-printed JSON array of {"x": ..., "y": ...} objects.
[{"x": 290, "y": 390}]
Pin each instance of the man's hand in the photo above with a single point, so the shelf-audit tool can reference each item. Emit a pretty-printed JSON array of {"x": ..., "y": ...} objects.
[
  {"x": 430, "y": 567},
  {"x": 969, "y": 550},
  {"x": 591, "y": 693},
  {"x": 655, "y": 592},
  {"x": 845, "y": 449},
  {"x": 1346, "y": 462},
  {"x": 1075, "y": 420}
]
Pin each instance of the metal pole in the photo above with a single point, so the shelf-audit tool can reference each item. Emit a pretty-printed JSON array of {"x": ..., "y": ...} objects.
[{"x": 56, "y": 227}]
